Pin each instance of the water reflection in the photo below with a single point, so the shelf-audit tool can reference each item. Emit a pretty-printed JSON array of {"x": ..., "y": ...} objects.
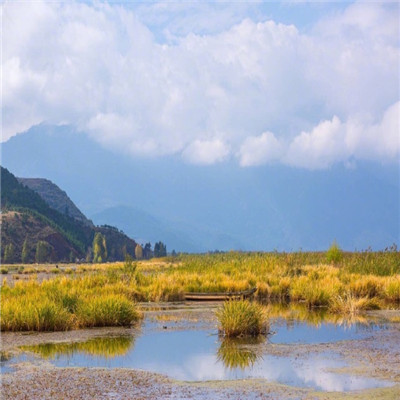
[
  {"x": 5, "y": 356},
  {"x": 298, "y": 312},
  {"x": 199, "y": 354},
  {"x": 241, "y": 352},
  {"x": 107, "y": 347}
]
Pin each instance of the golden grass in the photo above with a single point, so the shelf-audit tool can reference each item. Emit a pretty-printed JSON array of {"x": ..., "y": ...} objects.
[
  {"x": 350, "y": 304},
  {"x": 65, "y": 303},
  {"x": 294, "y": 277},
  {"x": 241, "y": 318}
]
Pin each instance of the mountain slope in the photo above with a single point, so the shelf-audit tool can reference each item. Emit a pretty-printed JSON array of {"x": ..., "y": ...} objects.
[
  {"x": 27, "y": 217},
  {"x": 18, "y": 227},
  {"x": 55, "y": 198},
  {"x": 15, "y": 196}
]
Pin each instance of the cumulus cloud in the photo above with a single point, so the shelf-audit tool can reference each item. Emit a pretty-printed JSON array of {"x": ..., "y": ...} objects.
[
  {"x": 318, "y": 148},
  {"x": 206, "y": 152},
  {"x": 235, "y": 87},
  {"x": 258, "y": 150}
]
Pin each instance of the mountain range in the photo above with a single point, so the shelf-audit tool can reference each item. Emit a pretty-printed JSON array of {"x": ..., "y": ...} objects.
[{"x": 223, "y": 206}]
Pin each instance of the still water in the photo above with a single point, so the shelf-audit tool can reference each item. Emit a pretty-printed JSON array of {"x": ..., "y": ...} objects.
[{"x": 200, "y": 354}]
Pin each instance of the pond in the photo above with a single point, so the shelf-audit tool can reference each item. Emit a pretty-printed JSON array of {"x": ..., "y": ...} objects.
[{"x": 195, "y": 352}]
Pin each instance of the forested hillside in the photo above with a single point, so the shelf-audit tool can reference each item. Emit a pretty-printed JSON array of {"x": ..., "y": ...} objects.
[
  {"x": 55, "y": 198},
  {"x": 32, "y": 230}
]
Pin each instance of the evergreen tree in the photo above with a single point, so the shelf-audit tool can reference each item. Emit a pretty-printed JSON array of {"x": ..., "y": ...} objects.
[
  {"x": 9, "y": 254},
  {"x": 43, "y": 251},
  {"x": 163, "y": 250},
  {"x": 147, "y": 252},
  {"x": 138, "y": 252},
  {"x": 160, "y": 249},
  {"x": 157, "y": 250},
  {"x": 25, "y": 252}
]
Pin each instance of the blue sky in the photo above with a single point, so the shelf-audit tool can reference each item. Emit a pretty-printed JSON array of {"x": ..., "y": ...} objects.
[
  {"x": 305, "y": 84},
  {"x": 214, "y": 17}
]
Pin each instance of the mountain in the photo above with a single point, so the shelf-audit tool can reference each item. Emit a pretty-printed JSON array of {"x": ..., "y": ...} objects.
[
  {"x": 55, "y": 198},
  {"x": 221, "y": 206},
  {"x": 144, "y": 227},
  {"x": 27, "y": 218}
]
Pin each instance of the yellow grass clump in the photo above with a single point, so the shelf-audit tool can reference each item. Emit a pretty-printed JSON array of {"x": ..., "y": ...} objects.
[
  {"x": 350, "y": 304},
  {"x": 241, "y": 318}
]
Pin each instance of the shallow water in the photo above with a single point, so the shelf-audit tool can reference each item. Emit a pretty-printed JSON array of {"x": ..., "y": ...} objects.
[
  {"x": 200, "y": 354},
  {"x": 291, "y": 331}
]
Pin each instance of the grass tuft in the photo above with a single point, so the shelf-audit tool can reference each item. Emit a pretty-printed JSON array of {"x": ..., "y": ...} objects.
[
  {"x": 242, "y": 318},
  {"x": 110, "y": 310},
  {"x": 350, "y": 304}
]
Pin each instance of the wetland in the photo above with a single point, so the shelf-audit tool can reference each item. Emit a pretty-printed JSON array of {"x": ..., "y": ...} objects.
[
  {"x": 177, "y": 348},
  {"x": 104, "y": 331}
]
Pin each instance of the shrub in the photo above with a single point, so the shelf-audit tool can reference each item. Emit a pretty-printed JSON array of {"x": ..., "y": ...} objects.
[
  {"x": 334, "y": 254},
  {"x": 239, "y": 318},
  {"x": 129, "y": 265}
]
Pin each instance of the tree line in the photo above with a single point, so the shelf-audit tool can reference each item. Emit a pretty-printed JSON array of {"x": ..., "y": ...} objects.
[{"x": 98, "y": 253}]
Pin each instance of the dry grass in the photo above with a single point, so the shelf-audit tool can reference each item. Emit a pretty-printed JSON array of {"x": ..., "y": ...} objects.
[
  {"x": 242, "y": 318},
  {"x": 350, "y": 304},
  {"x": 295, "y": 277},
  {"x": 63, "y": 304}
]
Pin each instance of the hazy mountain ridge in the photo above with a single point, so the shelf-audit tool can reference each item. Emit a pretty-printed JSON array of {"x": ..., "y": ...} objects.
[
  {"x": 144, "y": 227},
  {"x": 222, "y": 206}
]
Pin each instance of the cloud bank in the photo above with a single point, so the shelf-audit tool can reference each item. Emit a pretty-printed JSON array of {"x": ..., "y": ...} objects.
[{"x": 259, "y": 92}]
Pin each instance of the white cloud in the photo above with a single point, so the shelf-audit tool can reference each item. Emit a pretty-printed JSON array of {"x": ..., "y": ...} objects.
[
  {"x": 258, "y": 150},
  {"x": 318, "y": 148},
  {"x": 376, "y": 141},
  {"x": 206, "y": 152},
  {"x": 333, "y": 141},
  {"x": 253, "y": 89}
]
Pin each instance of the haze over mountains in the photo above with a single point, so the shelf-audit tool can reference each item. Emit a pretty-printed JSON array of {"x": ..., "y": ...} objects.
[{"x": 224, "y": 206}]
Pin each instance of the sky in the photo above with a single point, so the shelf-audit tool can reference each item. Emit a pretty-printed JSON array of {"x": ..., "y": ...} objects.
[{"x": 303, "y": 84}]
